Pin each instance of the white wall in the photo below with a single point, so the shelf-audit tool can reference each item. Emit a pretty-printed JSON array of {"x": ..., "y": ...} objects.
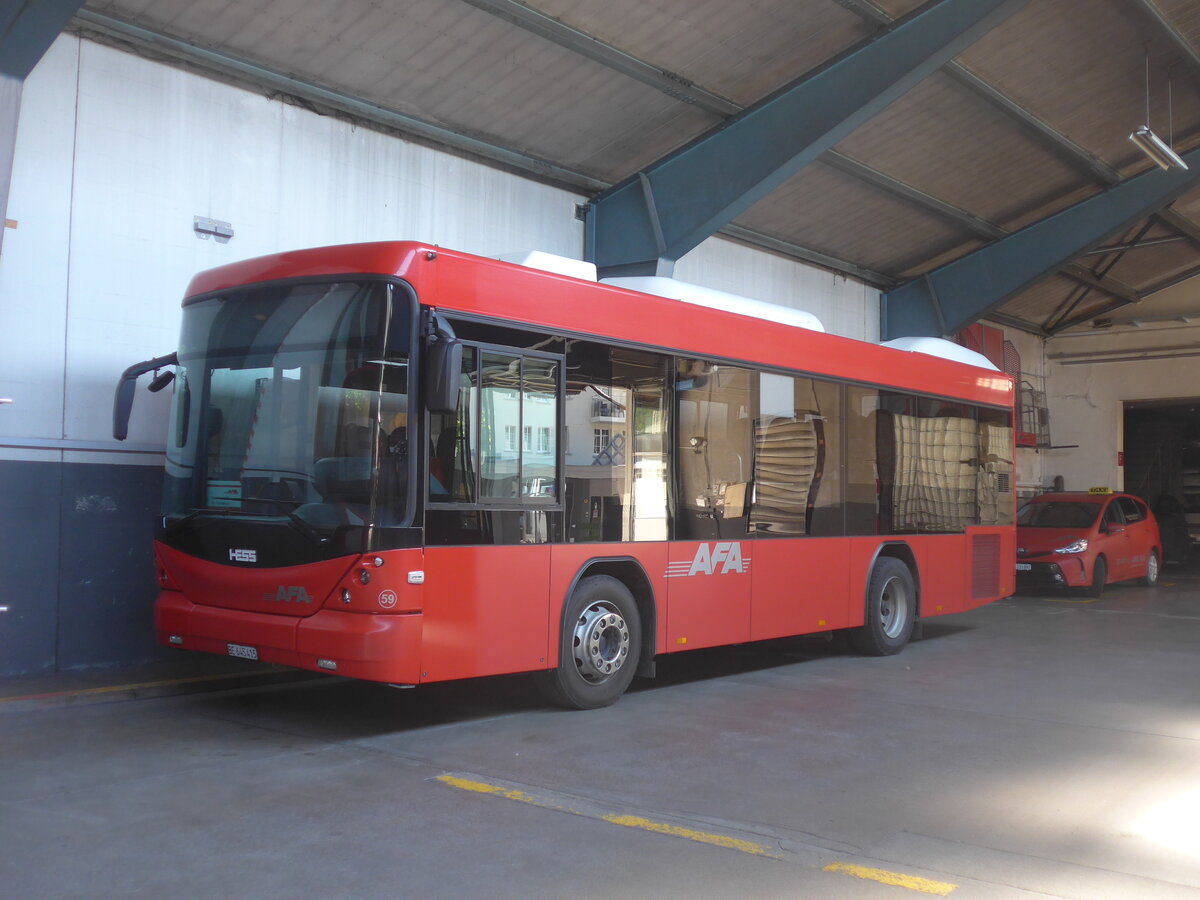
[
  {"x": 844, "y": 306},
  {"x": 115, "y": 154},
  {"x": 1086, "y": 394}
]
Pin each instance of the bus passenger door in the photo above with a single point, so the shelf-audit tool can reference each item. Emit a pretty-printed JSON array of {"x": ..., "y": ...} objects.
[{"x": 709, "y": 568}]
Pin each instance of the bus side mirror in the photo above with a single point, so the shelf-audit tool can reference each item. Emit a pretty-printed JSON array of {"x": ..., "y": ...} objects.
[
  {"x": 123, "y": 399},
  {"x": 443, "y": 363}
]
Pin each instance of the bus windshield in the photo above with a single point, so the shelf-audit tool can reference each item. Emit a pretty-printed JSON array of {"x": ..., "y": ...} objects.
[{"x": 292, "y": 403}]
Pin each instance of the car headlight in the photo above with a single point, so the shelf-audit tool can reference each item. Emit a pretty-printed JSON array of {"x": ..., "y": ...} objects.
[{"x": 1076, "y": 547}]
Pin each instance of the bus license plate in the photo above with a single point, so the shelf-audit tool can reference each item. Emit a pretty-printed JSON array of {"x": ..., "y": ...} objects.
[
  {"x": 241, "y": 651},
  {"x": 1021, "y": 567}
]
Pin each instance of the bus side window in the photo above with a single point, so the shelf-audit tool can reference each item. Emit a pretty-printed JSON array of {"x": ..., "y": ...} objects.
[
  {"x": 797, "y": 457},
  {"x": 716, "y": 419},
  {"x": 616, "y": 452}
]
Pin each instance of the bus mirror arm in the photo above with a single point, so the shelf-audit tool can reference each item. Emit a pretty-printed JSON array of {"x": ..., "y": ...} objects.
[
  {"x": 123, "y": 400},
  {"x": 443, "y": 362}
]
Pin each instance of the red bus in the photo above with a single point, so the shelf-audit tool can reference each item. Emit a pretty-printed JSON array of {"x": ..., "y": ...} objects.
[{"x": 404, "y": 464}]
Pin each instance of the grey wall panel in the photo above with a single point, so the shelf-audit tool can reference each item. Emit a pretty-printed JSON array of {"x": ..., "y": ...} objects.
[
  {"x": 29, "y": 525},
  {"x": 106, "y": 564},
  {"x": 76, "y": 565}
]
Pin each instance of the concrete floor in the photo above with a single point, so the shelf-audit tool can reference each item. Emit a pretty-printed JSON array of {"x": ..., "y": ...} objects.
[{"x": 1036, "y": 747}]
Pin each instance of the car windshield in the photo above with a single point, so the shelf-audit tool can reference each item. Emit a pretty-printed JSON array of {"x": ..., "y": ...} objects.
[{"x": 1058, "y": 514}]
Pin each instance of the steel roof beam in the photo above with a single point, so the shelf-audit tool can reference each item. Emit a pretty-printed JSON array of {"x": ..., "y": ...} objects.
[
  {"x": 1168, "y": 28},
  {"x": 897, "y": 188},
  {"x": 1114, "y": 305},
  {"x": 1018, "y": 324},
  {"x": 1055, "y": 139},
  {"x": 976, "y": 225},
  {"x": 1118, "y": 290},
  {"x": 645, "y": 223},
  {"x": 593, "y": 48},
  {"x": 824, "y": 260},
  {"x": 1180, "y": 224},
  {"x": 960, "y": 292}
]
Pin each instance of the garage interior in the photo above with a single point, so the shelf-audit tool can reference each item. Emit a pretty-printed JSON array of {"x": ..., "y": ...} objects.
[{"x": 958, "y": 168}]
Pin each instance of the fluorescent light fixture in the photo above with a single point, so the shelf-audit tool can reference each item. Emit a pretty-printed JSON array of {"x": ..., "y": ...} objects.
[{"x": 1156, "y": 148}]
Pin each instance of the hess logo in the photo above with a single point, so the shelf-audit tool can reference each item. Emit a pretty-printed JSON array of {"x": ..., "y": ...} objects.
[
  {"x": 721, "y": 558},
  {"x": 288, "y": 594}
]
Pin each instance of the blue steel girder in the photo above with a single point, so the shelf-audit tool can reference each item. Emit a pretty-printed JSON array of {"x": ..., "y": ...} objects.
[
  {"x": 646, "y": 222},
  {"x": 948, "y": 299},
  {"x": 27, "y": 29}
]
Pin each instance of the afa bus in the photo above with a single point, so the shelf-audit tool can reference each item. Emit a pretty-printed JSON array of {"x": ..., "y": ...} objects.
[{"x": 404, "y": 464}]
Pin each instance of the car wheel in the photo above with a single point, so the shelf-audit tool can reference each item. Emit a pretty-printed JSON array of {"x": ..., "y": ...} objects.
[
  {"x": 1150, "y": 579},
  {"x": 891, "y": 610},
  {"x": 1099, "y": 576},
  {"x": 599, "y": 647}
]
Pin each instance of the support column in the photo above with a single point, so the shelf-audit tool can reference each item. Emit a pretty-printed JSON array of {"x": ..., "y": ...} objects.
[{"x": 27, "y": 29}]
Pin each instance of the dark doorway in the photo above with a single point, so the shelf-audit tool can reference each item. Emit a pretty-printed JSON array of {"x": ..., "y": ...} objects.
[{"x": 1162, "y": 466}]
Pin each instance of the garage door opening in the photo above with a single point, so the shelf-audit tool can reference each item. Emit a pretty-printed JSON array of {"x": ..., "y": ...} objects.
[{"x": 1162, "y": 466}]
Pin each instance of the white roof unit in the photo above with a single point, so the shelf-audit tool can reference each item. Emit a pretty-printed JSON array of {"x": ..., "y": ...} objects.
[
  {"x": 943, "y": 348},
  {"x": 703, "y": 296},
  {"x": 548, "y": 262}
]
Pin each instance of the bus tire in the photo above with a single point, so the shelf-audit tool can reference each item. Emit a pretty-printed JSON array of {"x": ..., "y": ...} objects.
[
  {"x": 891, "y": 609},
  {"x": 599, "y": 646}
]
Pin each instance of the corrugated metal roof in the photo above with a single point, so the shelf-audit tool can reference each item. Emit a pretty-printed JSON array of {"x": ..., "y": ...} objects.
[{"x": 1030, "y": 119}]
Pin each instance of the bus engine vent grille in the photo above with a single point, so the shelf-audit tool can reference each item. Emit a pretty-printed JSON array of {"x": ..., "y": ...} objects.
[{"x": 985, "y": 566}]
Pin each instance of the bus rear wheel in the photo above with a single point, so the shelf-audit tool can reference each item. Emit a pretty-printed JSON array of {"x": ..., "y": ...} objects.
[
  {"x": 599, "y": 647},
  {"x": 891, "y": 610}
]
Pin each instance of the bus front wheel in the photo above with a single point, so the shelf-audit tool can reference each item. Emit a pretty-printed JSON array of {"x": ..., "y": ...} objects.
[
  {"x": 599, "y": 647},
  {"x": 891, "y": 610}
]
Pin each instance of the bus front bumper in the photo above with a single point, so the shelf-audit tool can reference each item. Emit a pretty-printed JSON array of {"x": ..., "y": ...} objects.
[{"x": 383, "y": 648}]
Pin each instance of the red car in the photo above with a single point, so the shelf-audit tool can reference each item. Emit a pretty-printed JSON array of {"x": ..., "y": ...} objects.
[{"x": 1086, "y": 540}]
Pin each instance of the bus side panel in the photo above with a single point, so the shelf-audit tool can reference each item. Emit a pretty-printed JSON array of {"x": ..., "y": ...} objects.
[
  {"x": 800, "y": 587},
  {"x": 569, "y": 559},
  {"x": 708, "y": 593},
  {"x": 485, "y": 611},
  {"x": 945, "y": 562}
]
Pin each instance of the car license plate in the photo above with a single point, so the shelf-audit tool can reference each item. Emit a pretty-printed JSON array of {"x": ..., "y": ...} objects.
[
  {"x": 1021, "y": 567},
  {"x": 241, "y": 651}
]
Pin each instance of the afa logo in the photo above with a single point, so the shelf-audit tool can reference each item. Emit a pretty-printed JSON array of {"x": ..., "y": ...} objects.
[
  {"x": 289, "y": 594},
  {"x": 721, "y": 558}
]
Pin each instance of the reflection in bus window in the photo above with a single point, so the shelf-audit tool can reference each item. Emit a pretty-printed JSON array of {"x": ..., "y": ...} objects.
[
  {"x": 797, "y": 457},
  {"x": 714, "y": 449}
]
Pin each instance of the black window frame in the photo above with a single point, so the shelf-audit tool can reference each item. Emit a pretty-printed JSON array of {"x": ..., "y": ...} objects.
[{"x": 520, "y": 504}]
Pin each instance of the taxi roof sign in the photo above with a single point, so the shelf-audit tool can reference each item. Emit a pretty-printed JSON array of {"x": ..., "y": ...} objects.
[{"x": 1100, "y": 490}]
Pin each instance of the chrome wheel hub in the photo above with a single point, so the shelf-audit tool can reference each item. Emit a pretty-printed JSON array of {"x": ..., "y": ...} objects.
[
  {"x": 601, "y": 642},
  {"x": 894, "y": 608}
]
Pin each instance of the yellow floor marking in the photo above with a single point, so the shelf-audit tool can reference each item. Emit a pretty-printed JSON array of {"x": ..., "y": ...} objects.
[
  {"x": 628, "y": 821},
  {"x": 703, "y": 837},
  {"x": 482, "y": 787},
  {"x": 912, "y": 882}
]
